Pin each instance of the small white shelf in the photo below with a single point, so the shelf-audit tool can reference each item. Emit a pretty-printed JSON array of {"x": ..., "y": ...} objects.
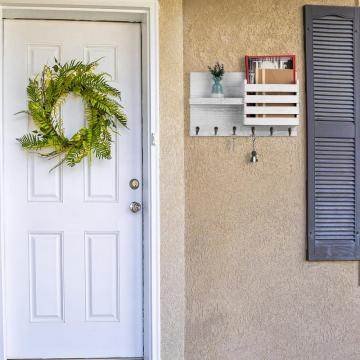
[
  {"x": 216, "y": 101},
  {"x": 272, "y": 109}
]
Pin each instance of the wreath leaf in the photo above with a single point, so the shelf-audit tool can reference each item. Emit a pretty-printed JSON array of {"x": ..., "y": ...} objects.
[{"x": 48, "y": 91}]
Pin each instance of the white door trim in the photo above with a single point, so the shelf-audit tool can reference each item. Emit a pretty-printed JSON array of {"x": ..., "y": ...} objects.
[{"x": 145, "y": 12}]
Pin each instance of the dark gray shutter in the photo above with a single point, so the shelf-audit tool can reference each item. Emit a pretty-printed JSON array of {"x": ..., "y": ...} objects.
[{"x": 332, "y": 75}]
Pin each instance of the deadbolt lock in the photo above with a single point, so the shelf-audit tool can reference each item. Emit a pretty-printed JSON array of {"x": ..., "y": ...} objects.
[{"x": 134, "y": 184}]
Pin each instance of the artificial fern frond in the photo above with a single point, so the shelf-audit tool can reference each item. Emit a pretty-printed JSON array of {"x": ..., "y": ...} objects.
[{"x": 33, "y": 142}]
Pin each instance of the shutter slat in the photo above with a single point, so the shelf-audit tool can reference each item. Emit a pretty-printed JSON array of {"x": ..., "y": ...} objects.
[
  {"x": 349, "y": 87},
  {"x": 333, "y": 117},
  {"x": 330, "y": 36},
  {"x": 333, "y": 82},
  {"x": 334, "y": 182},
  {"x": 330, "y": 73},
  {"x": 332, "y": 110},
  {"x": 332, "y": 61},
  {"x": 320, "y": 50},
  {"x": 318, "y": 65},
  {"x": 330, "y": 93},
  {"x": 331, "y": 217},
  {"x": 332, "y": 103},
  {"x": 333, "y": 78},
  {"x": 335, "y": 45},
  {"x": 346, "y": 27}
]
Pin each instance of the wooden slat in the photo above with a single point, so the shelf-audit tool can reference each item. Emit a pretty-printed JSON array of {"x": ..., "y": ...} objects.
[
  {"x": 292, "y": 88},
  {"x": 275, "y": 99},
  {"x": 216, "y": 101},
  {"x": 253, "y": 121},
  {"x": 272, "y": 110}
]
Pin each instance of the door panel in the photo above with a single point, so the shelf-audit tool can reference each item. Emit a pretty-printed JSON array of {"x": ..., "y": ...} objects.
[
  {"x": 73, "y": 249},
  {"x": 46, "y": 277},
  {"x": 102, "y": 256}
]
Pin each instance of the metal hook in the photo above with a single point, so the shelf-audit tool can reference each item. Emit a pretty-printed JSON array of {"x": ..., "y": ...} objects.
[
  {"x": 234, "y": 130},
  {"x": 216, "y": 130},
  {"x": 197, "y": 129},
  {"x": 253, "y": 157},
  {"x": 271, "y": 131}
]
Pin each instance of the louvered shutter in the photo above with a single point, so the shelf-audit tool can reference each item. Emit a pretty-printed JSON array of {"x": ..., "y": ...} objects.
[{"x": 332, "y": 75}]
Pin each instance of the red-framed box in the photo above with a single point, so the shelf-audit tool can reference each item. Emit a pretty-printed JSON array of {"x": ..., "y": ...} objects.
[{"x": 288, "y": 61}]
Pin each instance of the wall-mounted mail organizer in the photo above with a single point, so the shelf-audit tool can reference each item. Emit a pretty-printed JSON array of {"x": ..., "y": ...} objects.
[{"x": 268, "y": 109}]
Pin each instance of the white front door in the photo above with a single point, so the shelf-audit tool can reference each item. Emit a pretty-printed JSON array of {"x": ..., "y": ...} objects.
[{"x": 73, "y": 249}]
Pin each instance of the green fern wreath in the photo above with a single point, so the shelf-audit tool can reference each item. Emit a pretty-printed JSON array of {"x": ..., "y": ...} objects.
[{"x": 48, "y": 91}]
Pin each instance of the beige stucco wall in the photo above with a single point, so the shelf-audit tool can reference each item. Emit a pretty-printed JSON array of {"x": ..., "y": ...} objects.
[
  {"x": 172, "y": 180},
  {"x": 250, "y": 293}
]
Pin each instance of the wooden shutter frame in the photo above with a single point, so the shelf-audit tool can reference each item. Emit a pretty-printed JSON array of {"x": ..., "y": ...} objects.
[{"x": 329, "y": 252}]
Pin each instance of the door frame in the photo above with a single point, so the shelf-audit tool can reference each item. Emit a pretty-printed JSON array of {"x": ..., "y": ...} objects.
[{"x": 144, "y": 12}]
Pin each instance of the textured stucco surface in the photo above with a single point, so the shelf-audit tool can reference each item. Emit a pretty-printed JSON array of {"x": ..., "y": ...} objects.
[
  {"x": 250, "y": 293},
  {"x": 172, "y": 180}
]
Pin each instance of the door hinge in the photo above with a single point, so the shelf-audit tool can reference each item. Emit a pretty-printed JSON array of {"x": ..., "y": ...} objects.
[{"x": 153, "y": 139}]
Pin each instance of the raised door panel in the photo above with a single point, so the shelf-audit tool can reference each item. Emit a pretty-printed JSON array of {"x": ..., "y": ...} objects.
[
  {"x": 102, "y": 276},
  {"x": 107, "y": 57},
  {"x": 46, "y": 276},
  {"x": 42, "y": 184},
  {"x": 102, "y": 177}
]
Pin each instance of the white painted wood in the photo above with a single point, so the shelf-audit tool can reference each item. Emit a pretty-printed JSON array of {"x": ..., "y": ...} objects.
[
  {"x": 73, "y": 261},
  {"x": 146, "y": 12},
  {"x": 151, "y": 187},
  {"x": 271, "y": 110},
  {"x": 3, "y": 335},
  {"x": 216, "y": 101},
  {"x": 122, "y": 14},
  {"x": 245, "y": 131},
  {"x": 257, "y": 105},
  {"x": 272, "y": 88},
  {"x": 208, "y": 113},
  {"x": 102, "y": 255},
  {"x": 274, "y": 99},
  {"x": 211, "y": 116},
  {"x": 272, "y": 121},
  {"x": 125, "y": 6},
  {"x": 46, "y": 261}
]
